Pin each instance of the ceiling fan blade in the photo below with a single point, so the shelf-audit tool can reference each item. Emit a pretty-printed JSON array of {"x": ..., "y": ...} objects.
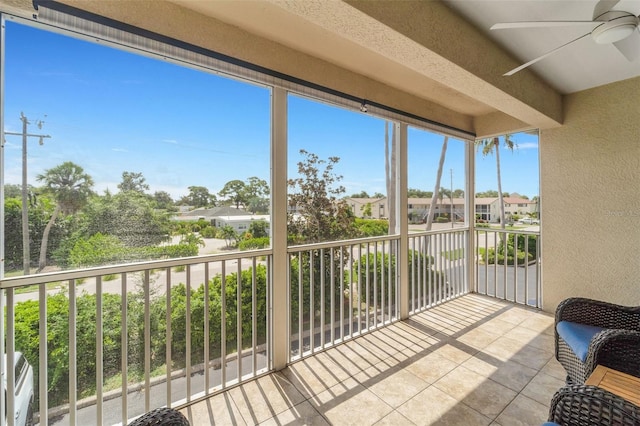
[
  {"x": 551, "y": 52},
  {"x": 630, "y": 46},
  {"x": 602, "y": 7},
  {"x": 540, "y": 24}
]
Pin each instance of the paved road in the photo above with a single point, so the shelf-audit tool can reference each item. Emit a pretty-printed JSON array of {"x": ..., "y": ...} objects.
[{"x": 112, "y": 409}]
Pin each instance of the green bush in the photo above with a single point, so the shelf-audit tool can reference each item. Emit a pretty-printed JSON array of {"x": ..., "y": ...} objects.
[
  {"x": 371, "y": 227},
  {"x": 442, "y": 219},
  {"x": 208, "y": 232},
  {"x": 254, "y": 243},
  {"x": 378, "y": 267},
  {"x": 101, "y": 249},
  {"x": 27, "y": 326}
]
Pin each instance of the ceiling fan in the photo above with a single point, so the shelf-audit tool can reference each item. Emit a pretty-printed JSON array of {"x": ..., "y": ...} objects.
[{"x": 616, "y": 27}]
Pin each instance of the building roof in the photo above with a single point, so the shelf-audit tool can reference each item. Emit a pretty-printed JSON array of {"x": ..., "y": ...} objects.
[{"x": 216, "y": 211}]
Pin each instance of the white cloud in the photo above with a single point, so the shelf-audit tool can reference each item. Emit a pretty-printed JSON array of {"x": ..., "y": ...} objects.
[
  {"x": 528, "y": 145},
  {"x": 119, "y": 150}
]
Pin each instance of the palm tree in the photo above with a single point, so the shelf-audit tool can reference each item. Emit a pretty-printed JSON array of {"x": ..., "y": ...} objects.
[
  {"x": 70, "y": 186},
  {"x": 488, "y": 146},
  {"x": 437, "y": 190}
]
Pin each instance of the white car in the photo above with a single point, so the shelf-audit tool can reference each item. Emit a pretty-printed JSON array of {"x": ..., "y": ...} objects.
[
  {"x": 24, "y": 395},
  {"x": 529, "y": 221}
]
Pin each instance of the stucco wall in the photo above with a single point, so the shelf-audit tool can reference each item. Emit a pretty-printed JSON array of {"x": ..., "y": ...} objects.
[{"x": 590, "y": 187}]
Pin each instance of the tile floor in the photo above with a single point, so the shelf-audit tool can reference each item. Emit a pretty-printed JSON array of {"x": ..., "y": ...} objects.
[{"x": 472, "y": 361}]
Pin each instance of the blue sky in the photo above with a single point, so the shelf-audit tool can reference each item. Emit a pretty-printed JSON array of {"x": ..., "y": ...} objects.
[{"x": 112, "y": 111}]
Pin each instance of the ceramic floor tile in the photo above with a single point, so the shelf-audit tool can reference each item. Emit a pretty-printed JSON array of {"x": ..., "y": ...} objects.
[
  {"x": 476, "y": 391},
  {"x": 268, "y": 396},
  {"x": 315, "y": 374},
  {"x": 532, "y": 338},
  {"x": 510, "y": 374},
  {"x": 523, "y": 411},
  {"x": 394, "y": 387},
  {"x": 430, "y": 367},
  {"x": 395, "y": 419},
  {"x": 555, "y": 369},
  {"x": 217, "y": 410},
  {"x": 542, "y": 387},
  {"x": 540, "y": 322},
  {"x": 461, "y": 363},
  {"x": 301, "y": 414},
  {"x": 434, "y": 407},
  {"x": 350, "y": 403},
  {"x": 478, "y": 338}
]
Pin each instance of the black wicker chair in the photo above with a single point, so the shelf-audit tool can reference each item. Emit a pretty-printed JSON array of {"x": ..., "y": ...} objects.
[
  {"x": 616, "y": 346},
  {"x": 161, "y": 416},
  {"x": 582, "y": 405}
]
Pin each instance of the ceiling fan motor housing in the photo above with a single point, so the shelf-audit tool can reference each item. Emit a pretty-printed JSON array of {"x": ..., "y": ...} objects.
[{"x": 615, "y": 29}]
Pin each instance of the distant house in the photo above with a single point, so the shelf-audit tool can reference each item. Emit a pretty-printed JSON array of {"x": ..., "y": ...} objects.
[
  {"x": 489, "y": 208},
  {"x": 209, "y": 214},
  {"x": 377, "y": 207},
  {"x": 240, "y": 223}
]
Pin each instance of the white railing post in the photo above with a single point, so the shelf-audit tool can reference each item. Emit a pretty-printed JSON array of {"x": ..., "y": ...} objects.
[
  {"x": 402, "y": 220},
  {"x": 279, "y": 309},
  {"x": 469, "y": 193}
]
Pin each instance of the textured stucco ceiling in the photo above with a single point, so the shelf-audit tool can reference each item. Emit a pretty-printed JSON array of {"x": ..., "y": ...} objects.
[
  {"x": 322, "y": 31},
  {"x": 390, "y": 42}
]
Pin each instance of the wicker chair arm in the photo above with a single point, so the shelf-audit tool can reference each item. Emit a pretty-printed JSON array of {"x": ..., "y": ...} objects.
[
  {"x": 598, "y": 313},
  {"x": 586, "y": 405},
  {"x": 617, "y": 349}
]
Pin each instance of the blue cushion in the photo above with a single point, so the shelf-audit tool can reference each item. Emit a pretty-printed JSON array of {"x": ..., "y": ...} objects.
[
  {"x": 550, "y": 424},
  {"x": 577, "y": 336}
]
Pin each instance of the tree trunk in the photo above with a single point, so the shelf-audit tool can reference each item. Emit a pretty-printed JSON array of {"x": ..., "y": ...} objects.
[
  {"x": 500, "y": 199},
  {"x": 436, "y": 190},
  {"x": 42, "y": 262}
]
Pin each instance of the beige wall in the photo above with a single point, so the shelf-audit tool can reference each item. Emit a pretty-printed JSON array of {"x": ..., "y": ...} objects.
[{"x": 590, "y": 186}]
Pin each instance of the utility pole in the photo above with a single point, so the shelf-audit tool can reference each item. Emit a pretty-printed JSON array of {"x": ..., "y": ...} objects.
[{"x": 26, "y": 257}]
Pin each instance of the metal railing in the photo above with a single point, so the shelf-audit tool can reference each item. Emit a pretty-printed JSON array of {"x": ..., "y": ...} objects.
[
  {"x": 438, "y": 267},
  {"x": 340, "y": 290},
  {"x": 114, "y": 342},
  {"x": 508, "y": 265},
  {"x": 359, "y": 288}
]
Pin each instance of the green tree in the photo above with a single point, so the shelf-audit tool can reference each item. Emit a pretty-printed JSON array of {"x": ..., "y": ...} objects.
[
  {"x": 361, "y": 194},
  {"x": 487, "y": 194},
  {"x": 321, "y": 215},
  {"x": 234, "y": 192},
  {"x": 229, "y": 235},
  {"x": 130, "y": 216},
  {"x": 259, "y": 228},
  {"x": 163, "y": 200},
  {"x": 132, "y": 181},
  {"x": 199, "y": 196},
  {"x": 70, "y": 186},
  {"x": 492, "y": 145},
  {"x": 12, "y": 191},
  {"x": 366, "y": 210},
  {"x": 418, "y": 193},
  {"x": 256, "y": 192}
]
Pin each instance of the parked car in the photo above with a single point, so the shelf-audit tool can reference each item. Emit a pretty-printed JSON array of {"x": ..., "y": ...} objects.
[
  {"x": 24, "y": 395},
  {"x": 529, "y": 221}
]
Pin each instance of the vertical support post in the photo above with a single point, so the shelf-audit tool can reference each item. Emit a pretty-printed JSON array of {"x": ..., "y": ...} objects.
[
  {"x": 279, "y": 309},
  {"x": 469, "y": 193},
  {"x": 402, "y": 221}
]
